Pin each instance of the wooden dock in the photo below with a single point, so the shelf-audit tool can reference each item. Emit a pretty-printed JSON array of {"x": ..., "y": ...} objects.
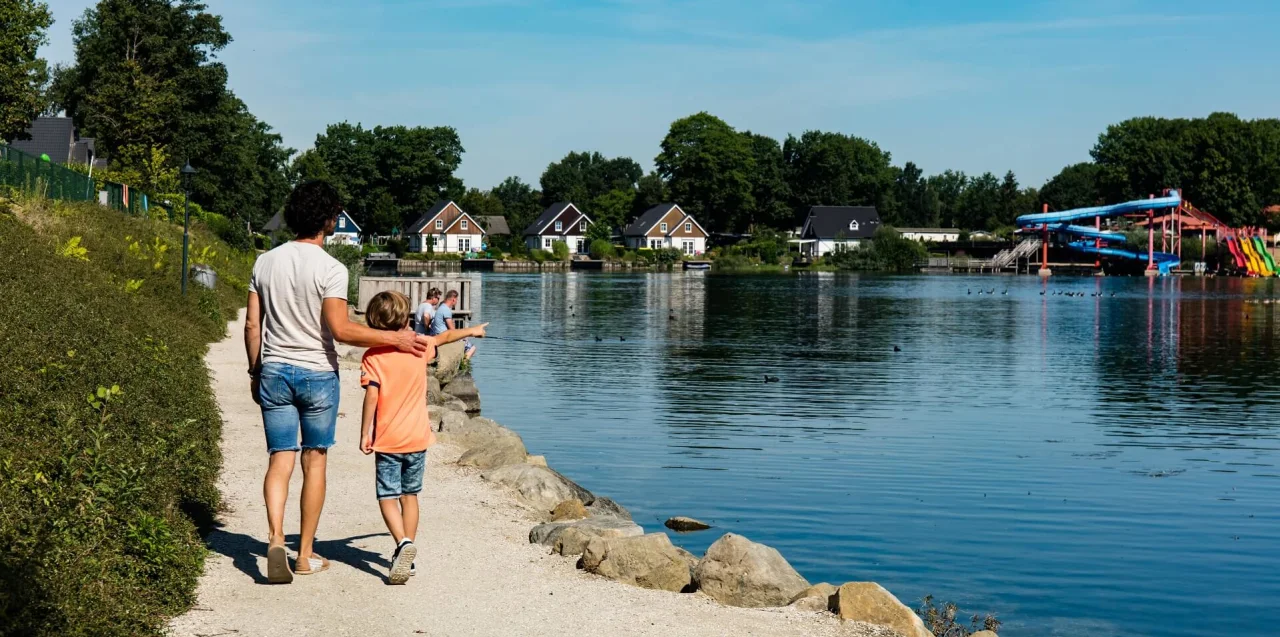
[{"x": 416, "y": 289}]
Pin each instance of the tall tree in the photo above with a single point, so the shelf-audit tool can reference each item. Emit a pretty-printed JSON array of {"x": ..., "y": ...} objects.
[
  {"x": 582, "y": 176},
  {"x": 650, "y": 191},
  {"x": 1076, "y": 186},
  {"x": 769, "y": 191},
  {"x": 917, "y": 201},
  {"x": 610, "y": 210},
  {"x": 835, "y": 169},
  {"x": 22, "y": 75},
  {"x": 520, "y": 203},
  {"x": 708, "y": 167},
  {"x": 980, "y": 202},
  {"x": 949, "y": 187}
]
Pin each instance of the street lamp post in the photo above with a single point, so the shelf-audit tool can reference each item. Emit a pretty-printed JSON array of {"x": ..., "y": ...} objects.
[{"x": 187, "y": 172}]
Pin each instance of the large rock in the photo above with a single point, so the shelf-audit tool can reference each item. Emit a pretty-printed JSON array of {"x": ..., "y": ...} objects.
[
  {"x": 606, "y": 506},
  {"x": 871, "y": 603},
  {"x": 471, "y": 433},
  {"x": 596, "y": 526},
  {"x": 464, "y": 389},
  {"x": 984, "y": 633},
  {"x": 571, "y": 541},
  {"x": 569, "y": 510},
  {"x": 814, "y": 598},
  {"x": 739, "y": 572},
  {"x": 648, "y": 561},
  {"x": 537, "y": 487},
  {"x": 436, "y": 416},
  {"x": 682, "y": 524},
  {"x": 448, "y": 359},
  {"x": 499, "y": 453},
  {"x": 435, "y": 397},
  {"x": 453, "y": 404}
]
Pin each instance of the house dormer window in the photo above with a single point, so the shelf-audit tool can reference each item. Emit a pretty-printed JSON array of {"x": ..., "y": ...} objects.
[
  {"x": 342, "y": 223},
  {"x": 688, "y": 227},
  {"x": 664, "y": 227},
  {"x": 582, "y": 227},
  {"x": 463, "y": 225},
  {"x": 439, "y": 224},
  {"x": 853, "y": 225},
  {"x": 559, "y": 226}
]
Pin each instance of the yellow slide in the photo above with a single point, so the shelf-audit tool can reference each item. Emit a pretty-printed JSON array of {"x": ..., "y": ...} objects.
[
  {"x": 1268, "y": 265},
  {"x": 1255, "y": 262}
]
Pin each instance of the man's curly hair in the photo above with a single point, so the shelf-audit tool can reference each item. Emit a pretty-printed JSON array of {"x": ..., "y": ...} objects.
[{"x": 310, "y": 206}]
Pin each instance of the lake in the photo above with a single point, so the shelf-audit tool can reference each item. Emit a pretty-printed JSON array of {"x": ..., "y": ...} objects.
[{"x": 1075, "y": 464}]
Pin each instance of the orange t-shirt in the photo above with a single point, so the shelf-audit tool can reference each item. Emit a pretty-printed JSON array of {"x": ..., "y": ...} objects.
[{"x": 400, "y": 424}]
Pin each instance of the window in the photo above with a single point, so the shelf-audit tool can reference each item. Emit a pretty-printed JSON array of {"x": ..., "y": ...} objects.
[
  {"x": 654, "y": 244},
  {"x": 559, "y": 226},
  {"x": 664, "y": 227},
  {"x": 582, "y": 227},
  {"x": 464, "y": 224},
  {"x": 853, "y": 225},
  {"x": 687, "y": 246},
  {"x": 342, "y": 222},
  {"x": 439, "y": 224},
  {"x": 688, "y": 227},
  {"x": 546, "y": 243},
  {"x": 582, "y": 246}
]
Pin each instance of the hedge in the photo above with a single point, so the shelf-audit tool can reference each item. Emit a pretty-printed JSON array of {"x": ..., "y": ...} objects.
[{"x": 109, "y": 429}]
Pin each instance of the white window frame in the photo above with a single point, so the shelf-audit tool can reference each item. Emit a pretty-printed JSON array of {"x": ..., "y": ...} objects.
[
  {"x": 655, "y": 244},
  {"x": 688, "y": 247},
  {"x": 853, "y": 225},
  {"x": 342, "y": 223},
  {"x": 582, "y": 227},
  {"x": 439, "y": 224},
  {"x": 462, "y": 225},
  {"x": 688, "y": 227},
  {"x": 664, "y": 227},
  {"x": 546, "y": 243},
  {"x": 559, "y": 226},
  {"x": 464, "y": 244}
]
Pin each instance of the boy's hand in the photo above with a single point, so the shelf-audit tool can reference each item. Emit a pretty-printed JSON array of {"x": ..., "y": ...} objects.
[
  {"x": 366, "y": 445},
  {"x": 409, "y": 341},
  {"x": 478, "y": 331}
]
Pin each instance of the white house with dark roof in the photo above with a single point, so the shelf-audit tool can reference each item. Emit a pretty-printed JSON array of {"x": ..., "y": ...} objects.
[
  {"x": 559, "y": 222},
  {"x": 829, "y": 227},
  {"x": 446, "y": 227},
  {"x": 666, "y": 226}
]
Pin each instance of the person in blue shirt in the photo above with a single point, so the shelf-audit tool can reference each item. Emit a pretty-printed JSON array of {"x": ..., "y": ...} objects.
[
  {"x": 423, "y": 316},
  {"x": 443, "y": 321}
]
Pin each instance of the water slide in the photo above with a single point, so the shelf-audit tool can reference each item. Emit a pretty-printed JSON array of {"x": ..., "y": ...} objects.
[
  {"x": 1254, "y": 262},
  {"x": 1060, "y": 222},
  {"x": 1261, "y": 248},
  {"x": 1234, "y": 247}
]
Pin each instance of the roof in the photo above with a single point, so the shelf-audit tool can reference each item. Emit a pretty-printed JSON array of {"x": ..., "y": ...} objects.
[
  {"x": 494, "y": 224},
  {"x": 548, "y": 215},
  {"x": 52, "y": 136},
  {"x": 426, "y": 217},
  {"x": 829, "y": 222},
  {"x": 276, "y": 222},
  {"x": 346, "y": 214},
  {"x": 645, "y": 222},
  {"x": 932, "y": 230}
]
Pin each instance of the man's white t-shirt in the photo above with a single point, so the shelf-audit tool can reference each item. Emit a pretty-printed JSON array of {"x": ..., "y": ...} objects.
[{"x": 292, "y": 281}]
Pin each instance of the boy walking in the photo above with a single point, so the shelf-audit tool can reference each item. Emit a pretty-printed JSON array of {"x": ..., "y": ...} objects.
[{"x": 395, "y": 426}]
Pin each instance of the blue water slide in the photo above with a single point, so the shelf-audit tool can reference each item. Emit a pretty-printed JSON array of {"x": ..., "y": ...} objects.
[
  {"x": 1165, "y": 262},
  {"x": 1173, "y": 200},
  {"x": 1086, "y": 231}
]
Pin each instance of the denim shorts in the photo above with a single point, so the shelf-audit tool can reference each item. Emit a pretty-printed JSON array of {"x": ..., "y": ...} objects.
[
  {"x": 296, "y": 399},
  {"x": 400, "y": 473}
]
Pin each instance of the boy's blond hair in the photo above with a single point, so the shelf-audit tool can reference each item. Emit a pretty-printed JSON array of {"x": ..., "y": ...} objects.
[{"x": 388, "y": 311}]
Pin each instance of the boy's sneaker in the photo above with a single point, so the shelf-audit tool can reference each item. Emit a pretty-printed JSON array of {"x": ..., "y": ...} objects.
[
  {"x": 413, "y": 569},
  {"x": 402, "y": 562}
]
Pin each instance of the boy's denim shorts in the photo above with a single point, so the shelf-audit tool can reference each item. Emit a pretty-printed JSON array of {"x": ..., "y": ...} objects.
[
  {"x": 295, "y": 399},
  {"x": 400, "y": 473}
]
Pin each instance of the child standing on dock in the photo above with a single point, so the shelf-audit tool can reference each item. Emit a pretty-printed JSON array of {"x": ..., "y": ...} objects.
[{"x": 395, "y": 426}]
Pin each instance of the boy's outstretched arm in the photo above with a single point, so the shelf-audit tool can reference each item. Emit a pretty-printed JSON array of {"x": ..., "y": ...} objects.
[
  {"x": 366, "y": 418},
  {"x": 444, "y": 338}
]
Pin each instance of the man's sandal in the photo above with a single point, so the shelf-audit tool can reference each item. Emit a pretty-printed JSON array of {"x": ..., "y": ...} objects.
[
  {"x": 311, "y": 566},
  {"x": 278, "y": 565}
]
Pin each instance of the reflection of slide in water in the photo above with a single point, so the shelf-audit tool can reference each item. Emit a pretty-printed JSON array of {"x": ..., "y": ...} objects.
[
  {"x": 1058, "y": 222},
  {"x": 1269, "y": 266}
]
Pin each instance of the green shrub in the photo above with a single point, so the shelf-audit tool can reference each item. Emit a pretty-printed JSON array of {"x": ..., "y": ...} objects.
[
  {"x": 732, "y": 262},
  {"x": 539, "y": 256},
  {"x": 601, "y": 249},
  {"x": 109, "y": 432},
  {"x": 645, "y": 254},
  {"x": 560, "y": 250},
  {"x": 667, "y": 256},
  {"x": 397, "y": 247}
]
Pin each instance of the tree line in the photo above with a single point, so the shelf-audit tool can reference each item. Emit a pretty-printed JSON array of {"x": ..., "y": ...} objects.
[{"x": 147, "y": 84}]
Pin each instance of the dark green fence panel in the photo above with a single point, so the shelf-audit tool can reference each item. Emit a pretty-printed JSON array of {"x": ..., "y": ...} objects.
[{"x": 32, "y": 174}]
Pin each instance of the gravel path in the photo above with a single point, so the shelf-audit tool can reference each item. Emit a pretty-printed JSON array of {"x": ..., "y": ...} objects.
[{"x": 477, "y": 573}]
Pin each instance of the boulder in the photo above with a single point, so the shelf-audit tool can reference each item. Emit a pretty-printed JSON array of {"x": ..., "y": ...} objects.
[
  {"x": 470, "y": 433},
  {"x": 537, "y": 487},
  {"x": 436, "y": 416},
  {"x": 498, "y": 453},
  {"x": 685, "y": 525},
  {"x": 448, "y": 360},
  {"x": 453, "y": 404},
  {"x": 571, "y": 541},
  {"x": 435, "y": 397},
  {"x": 464, "y": 389},
  {"x": 648, "y": 561},
  {"x": 595, "y": 526},
  {"x": 606, "y": 506},
  {"x": 984, "y": 633},
  {"x": 814, "y": 598},
  {"x": 691, "y": 561},
  {"x": 540, "y": 461},
  {"x": 572, "y": 509},
  {"x": 870, "y": 603},
  {"x": 738, "y": 572}
]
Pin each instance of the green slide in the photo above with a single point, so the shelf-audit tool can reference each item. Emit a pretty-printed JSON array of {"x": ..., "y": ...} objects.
[{"x": 1265, "y": 254}]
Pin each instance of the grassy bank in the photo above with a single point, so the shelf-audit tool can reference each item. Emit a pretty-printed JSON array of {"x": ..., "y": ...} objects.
[{"x": 108, "y": 426}]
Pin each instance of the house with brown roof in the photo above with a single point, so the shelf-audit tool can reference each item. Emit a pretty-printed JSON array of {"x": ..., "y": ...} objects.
[
  {"x": 446, "y": 227},
  {"x": 666, "y": 226},
  {"x": 559, "y": 222}
]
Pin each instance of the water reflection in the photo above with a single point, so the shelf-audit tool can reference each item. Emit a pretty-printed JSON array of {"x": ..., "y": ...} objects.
[{"x": 1045, "y": 456}]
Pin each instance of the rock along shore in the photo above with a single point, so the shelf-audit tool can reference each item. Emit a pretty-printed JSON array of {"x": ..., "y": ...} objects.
[{"x": 508, "y": 546}]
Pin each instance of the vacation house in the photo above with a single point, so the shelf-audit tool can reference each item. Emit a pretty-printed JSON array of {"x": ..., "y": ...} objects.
[
  {"x": 345, "y": 232},
  {"x": 56, "y": 137},
  {"x": 446, "y": 228},
  {"x": 666, "y": 226},
  {"x": 828, "y": 227},
  {"x": 559, "y": 222},
  {"x": 938, "y": 235}
]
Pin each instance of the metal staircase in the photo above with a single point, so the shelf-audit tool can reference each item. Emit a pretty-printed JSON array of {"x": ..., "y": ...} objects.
[{"x": 1009, "y": 257}]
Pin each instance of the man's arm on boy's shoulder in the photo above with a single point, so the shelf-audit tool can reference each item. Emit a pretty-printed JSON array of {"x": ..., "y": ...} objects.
[
  {"x": 366, "y": 418},
  {"x": 444, "y": 338}
]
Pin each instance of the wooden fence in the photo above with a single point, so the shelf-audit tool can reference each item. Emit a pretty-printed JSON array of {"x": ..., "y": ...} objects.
[{"x": 416, "y": 289}]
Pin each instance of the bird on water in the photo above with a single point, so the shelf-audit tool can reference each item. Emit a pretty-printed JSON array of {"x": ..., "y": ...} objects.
[
  {"x": 771, "y": 379},
  {"x": 897, "y": 349}
]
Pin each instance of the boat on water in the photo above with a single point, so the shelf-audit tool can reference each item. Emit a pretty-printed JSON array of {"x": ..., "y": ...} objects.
[{"x": 697, "y": 265}]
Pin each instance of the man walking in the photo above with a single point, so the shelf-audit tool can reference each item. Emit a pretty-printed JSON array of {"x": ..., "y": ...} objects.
[{"x": 297, "y": 309}]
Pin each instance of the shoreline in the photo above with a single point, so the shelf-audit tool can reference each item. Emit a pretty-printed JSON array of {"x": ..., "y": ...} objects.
[{"x": 478, "y": 572}]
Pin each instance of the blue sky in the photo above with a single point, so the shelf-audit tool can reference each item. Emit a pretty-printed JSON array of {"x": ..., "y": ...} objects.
[{"x": 972, "y": 85}]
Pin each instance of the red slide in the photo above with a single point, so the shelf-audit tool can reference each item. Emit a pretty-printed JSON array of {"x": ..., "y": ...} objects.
[{"x": 1235, "y": 252}]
